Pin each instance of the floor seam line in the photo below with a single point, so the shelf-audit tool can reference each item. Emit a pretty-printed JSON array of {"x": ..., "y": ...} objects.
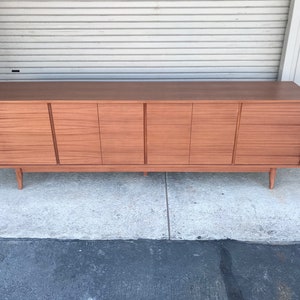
[{"x": 167, "y": 206}]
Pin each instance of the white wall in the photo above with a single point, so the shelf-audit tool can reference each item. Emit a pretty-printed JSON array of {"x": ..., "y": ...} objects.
[
  {"x": 290, "y": 67},
  {"x": 297, "y": 73}
]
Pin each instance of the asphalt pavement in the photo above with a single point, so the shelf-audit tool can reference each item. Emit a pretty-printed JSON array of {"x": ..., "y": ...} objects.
[{"x": 36, "y": 269}]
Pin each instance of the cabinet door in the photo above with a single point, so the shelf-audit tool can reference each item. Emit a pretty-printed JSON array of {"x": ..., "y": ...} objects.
[
  {"x": 122, "y": 133},
  {"x": 269, "y": 134},
  {"x": 25, "y": 134},
  {"x": 213, "y": 133},
  {"x": 168, "y": 133},
  {"x": 77, "y": 133}
]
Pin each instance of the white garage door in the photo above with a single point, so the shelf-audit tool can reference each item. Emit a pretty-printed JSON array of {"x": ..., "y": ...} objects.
[{"x": 141, "y": 40}]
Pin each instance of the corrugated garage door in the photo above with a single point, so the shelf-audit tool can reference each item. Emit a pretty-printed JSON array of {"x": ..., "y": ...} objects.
[{"x": 141, "y": 40}]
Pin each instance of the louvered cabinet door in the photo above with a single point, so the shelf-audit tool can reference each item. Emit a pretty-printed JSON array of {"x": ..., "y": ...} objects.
[
  {"x": 168, "y": 133},
  {"x": 213, "y": 133},
  {"x": 269, "y": 134},
  {"x": 25, "y": 134},
  {"x": 122, "y": 133},
  {"x": 77, "y": 133}
]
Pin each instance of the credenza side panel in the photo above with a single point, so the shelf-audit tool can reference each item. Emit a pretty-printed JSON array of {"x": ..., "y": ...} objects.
[
  {"x": 213, "y": 133},
  {"x": 25, "y": 134},
  {"x": 269, "y": 134},
  {"x": 77, "y": 133},
  {"x": 122, "y": 133},
  {"x": 168, "y": 133}
]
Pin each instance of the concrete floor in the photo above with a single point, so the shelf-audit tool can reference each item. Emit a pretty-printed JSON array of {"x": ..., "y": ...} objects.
[{"x": 189, "y": 206}]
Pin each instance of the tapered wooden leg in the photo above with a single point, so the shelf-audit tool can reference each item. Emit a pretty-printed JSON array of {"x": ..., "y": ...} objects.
[
  {"x": 145, "y": 174},
  {"x": 19, "y": 175},
  {"x": 272, "y": 176}
]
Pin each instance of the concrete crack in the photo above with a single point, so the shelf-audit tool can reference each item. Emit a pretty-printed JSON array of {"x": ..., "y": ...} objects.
[
  {"x": 167, "y": 205},
  {"x": 232, "y": 288}
]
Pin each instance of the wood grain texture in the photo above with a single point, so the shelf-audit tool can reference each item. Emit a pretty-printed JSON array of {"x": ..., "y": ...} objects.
[
  {"x": 118, "y": 130},
  {"x": 213, "y": 133},
  {"x": 77, "y": 133},
  {"x": 120, "y": 113},
  {"x": 271, "y": 114},
  {"x": 278, "y": 161},
  {"x": 216, "y": 114},
  {"x": 121, "y": 158},
  {"x": 269, "y": 134},
  {"x": 25, "y": 134},
  {"x": 168, "y": 114},
  {"x": 168, "y": 138},
  {"x": 269, "y": 140},
  {"x": 122, "y": 133}
]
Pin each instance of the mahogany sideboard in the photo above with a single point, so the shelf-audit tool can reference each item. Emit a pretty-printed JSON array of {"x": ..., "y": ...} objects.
[{"x": 149, "y": 127}]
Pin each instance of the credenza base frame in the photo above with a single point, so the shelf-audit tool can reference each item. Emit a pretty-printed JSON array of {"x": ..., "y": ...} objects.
[{"x": 20, "y": 170}]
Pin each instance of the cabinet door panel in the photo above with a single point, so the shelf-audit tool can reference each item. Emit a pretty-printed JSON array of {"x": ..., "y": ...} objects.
[
  {"x": 25, "y": 134},
  {"x": 168, "y": 133},
  {"x": 269, "y": 134},
  {"x": 77, "y": 133},
  {"x": 122, "y": 133},
  {"x": 213, "y": 133}
]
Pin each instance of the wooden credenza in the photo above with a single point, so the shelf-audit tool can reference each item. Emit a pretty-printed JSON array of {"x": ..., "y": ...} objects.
[{"x": 149, "y": 127}]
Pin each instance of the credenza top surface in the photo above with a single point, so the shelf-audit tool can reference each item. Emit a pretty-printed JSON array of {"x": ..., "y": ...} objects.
[{"x": 168, "y": 91}]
